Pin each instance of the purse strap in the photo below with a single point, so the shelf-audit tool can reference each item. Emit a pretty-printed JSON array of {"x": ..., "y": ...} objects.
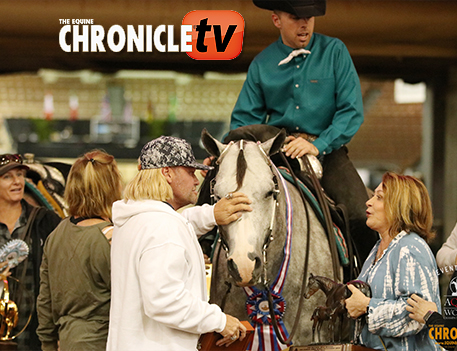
[
  {"x": 28, "y": 227},
  {"x": 26, "y": 235}
]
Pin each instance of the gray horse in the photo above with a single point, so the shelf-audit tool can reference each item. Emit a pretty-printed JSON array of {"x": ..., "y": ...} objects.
[{"x": 257, "y": 246}]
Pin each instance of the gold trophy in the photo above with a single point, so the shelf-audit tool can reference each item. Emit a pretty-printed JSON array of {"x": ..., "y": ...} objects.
[{"x": 9, "y": 314}]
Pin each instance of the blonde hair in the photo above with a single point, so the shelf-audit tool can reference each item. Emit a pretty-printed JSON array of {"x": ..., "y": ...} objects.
[
  {"x": 148, "y": 184},
  {"x": 407, "y": 205},
  {"x": 93, "y": 184}
]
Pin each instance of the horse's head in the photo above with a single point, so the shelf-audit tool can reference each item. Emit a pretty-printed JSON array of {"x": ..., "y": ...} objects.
[
  {"x": 245, "y": 166},
  {"x": 311, "y": 287}
]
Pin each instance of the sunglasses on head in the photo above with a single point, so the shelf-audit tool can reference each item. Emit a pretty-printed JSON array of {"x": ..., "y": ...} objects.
[{"x": 10, "y": 158}]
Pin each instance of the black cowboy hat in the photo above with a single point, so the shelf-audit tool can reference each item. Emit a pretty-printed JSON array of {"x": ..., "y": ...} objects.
[{"x": 299, "y": 8}]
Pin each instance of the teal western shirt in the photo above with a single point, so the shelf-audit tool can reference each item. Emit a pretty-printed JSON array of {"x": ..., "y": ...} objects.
[{"x": 317, "y": 94}]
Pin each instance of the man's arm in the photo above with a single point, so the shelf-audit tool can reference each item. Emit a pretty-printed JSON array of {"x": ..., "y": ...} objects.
[
  {"x": 250, "y": 107},
  {"x": 447, "y": 254},
  {"x": 349, "y": 105},
  {"x": 225, "y": 211}
]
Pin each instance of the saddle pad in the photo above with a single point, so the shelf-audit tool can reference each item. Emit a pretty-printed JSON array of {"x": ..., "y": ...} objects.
[{"x": 340, "y": 241}]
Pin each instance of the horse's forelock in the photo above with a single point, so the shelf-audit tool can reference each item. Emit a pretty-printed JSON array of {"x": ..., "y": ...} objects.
[{"x": 241, "y": 166}]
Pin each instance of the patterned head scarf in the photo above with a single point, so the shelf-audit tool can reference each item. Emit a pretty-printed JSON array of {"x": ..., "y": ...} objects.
[{"x": 168, "y": 151}]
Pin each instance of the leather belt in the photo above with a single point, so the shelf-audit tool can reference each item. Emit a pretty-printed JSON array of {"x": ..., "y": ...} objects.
[{"x": 306, "y": 136}]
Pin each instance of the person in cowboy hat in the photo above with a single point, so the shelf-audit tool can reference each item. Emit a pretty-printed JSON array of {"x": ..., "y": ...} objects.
[
  {"x": 306, "y": 83},
  {"x": 158, "y": 282}
]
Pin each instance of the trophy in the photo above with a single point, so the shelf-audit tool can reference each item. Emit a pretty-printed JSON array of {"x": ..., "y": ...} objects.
[
  {"x": 335, "y": 314},
  {"x": 13, "y": 252}
]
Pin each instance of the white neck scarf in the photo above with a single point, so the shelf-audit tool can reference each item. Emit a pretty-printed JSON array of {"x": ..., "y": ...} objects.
[{"x": 293, "y": 54}]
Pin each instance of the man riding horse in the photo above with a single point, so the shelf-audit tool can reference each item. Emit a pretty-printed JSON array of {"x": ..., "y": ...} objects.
[{"x": 306, "y": 83}]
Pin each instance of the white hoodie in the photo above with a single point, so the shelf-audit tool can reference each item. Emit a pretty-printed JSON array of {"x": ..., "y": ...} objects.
[{"x": 158, "y": 283}]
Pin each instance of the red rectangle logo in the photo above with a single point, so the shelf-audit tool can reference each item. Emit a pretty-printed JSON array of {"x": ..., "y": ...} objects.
[{"x": 216, "y": 34}]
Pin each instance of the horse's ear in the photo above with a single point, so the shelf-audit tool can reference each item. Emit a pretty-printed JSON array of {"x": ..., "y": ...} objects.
[
  {"x": 273, "y": 145},
  {"x": 212, "y": 145}
]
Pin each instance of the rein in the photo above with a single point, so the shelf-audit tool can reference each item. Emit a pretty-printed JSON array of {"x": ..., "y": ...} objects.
[
  {"x": 327, "y": 216},
  {"x": 274, "y": 322}
]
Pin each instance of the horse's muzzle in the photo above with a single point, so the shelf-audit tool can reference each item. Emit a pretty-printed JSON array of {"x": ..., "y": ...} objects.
[{"x": 246, "y": 274}]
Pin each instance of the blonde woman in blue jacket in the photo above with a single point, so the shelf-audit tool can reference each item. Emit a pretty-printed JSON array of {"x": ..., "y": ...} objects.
[{"x": 400, "y": 264}]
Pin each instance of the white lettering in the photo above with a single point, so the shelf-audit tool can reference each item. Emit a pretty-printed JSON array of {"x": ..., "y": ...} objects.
[
  {"x": 172, "y": 47},
  {"x": 83, "y": 38},
  {"x": 133, "y": 37},
  {"x": 157, "y": 43},
  {"x": 110, "y": 38},
  {"x": 186, "y": 37},
  {"x": 116, "y": 38},
  {"x": 97, "y": 33},
  {"x": 62, "y": 34},
  {"x": 148, "y": 38}
]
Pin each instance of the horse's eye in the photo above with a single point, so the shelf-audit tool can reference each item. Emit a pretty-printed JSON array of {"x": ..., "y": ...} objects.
[{"x": 270, "y": 193}]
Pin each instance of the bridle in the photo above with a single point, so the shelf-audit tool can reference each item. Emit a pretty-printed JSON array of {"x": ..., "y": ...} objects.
[{"x": 268, "y": 238}]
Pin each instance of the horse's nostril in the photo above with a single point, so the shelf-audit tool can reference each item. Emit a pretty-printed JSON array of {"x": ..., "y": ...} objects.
[{"x": 233, "y": 269}]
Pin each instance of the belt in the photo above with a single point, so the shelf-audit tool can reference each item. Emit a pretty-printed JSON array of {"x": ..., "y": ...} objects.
[{"x": 306, "y": 136}]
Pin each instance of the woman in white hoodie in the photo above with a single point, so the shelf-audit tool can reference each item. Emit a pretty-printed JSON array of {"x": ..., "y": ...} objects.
[{"x": 158, "y": 287}]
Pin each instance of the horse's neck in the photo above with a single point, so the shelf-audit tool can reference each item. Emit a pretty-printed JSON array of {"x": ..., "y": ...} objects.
[{"x": 326, "y": 284}]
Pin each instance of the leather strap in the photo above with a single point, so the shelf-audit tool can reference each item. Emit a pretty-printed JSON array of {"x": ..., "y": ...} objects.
[
  {"x": 25, "y": 236},
  {"x": 28, "y": 227}
]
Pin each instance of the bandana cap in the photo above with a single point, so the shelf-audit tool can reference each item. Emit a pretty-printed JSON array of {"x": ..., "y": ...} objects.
[{"x": 168, "y": 151}]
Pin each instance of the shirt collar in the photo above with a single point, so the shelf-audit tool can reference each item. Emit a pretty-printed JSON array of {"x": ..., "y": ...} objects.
[{"x": 286, "y": 50}]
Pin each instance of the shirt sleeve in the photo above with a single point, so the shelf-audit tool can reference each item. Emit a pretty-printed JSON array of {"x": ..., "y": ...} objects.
[
  {"x": 349, "y": 106},
  {"x": 250, "y": 107},
  {"x": 166, "y": 298},
  {"x": 411, "y": 275},
  {"x": 447, "y": 253},
  {"x": 47, "y": 331},
  {"x": 201, "y": 218}
]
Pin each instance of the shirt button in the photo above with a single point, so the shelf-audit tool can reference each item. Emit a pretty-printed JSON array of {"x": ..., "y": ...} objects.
[
  {"x": 296, "y": 85},
  {"x": 324, "y": 153},
  {"x": 297, "y": 107},
  {"x": 296, "y": 128},
  {"x": 298, "y": 66}
]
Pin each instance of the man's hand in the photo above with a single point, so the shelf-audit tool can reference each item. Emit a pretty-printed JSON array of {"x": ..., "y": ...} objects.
[
  {"x": 419, "y": 308},
  {"x": 233, "y": 331},
  {"x": 298, "y": 147},
  {"x": 230, "y": 208},
  {"x": 357, "y": 304}
]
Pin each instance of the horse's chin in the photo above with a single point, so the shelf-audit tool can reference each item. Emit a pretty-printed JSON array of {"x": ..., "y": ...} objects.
[
  {"x": 252, "y": 282},
  {"x": 244, "y": 284}
]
